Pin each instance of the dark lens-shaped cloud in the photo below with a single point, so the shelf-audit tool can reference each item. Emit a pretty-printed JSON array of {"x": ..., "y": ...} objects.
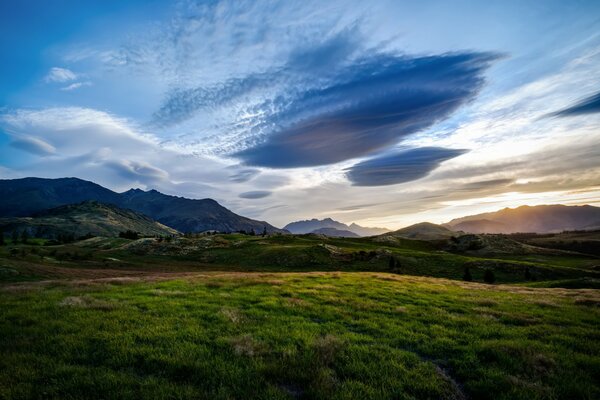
[
  {"x": 371, "y": 105},
  {"x": 399, "y": 167},
  {"x": 255, "y": 194},
  {"x": 586, "y": 106}
]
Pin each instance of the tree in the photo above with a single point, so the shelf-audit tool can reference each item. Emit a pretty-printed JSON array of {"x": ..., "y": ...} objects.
[
  {"x": 398, "y": 267},
  {"x": 252, "y": 232},
  {"x": 15, "y": 237},
  {"x": 489, "y": 277},
  {"x": 467, "y": 275},
  {"x": 24, "y": 236},
  {"x": 129, "y": 234},
  {"x": 392, "y": 263},
  {"x": 527, "y": 274},
  {"x": 264, "y": 231},
  {"x": 2, "y": 238}
]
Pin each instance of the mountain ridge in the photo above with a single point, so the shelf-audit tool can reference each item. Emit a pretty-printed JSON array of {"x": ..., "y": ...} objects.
[
  {"x": 26, "y": 196},
  {"x": 550, "y": 218},
  {"x": 314, "y": 224}
]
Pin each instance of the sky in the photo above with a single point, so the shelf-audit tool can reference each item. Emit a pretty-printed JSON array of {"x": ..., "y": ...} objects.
[{"x": 382, "y": 113}]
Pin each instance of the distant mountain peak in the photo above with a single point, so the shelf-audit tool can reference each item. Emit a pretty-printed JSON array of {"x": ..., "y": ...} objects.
[
  {"x": 315, "y": 225},
  {"x": 540, "y": 219}
]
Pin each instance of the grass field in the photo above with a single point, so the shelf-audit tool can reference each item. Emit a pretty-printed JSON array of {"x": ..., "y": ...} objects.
[
  {"x": 293, "y": 317},
  {"x": 297, "y": 335}
]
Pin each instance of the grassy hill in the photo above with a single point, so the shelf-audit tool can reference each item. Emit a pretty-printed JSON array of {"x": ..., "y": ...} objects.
[
  {"x": 424, "y": 231},
  {"x": 85, "y": 218}
]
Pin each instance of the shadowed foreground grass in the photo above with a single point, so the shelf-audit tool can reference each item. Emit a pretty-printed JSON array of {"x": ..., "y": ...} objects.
[{"x": 300, "y": 335}]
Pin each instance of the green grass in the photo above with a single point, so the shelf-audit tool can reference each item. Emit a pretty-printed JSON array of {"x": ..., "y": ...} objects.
[
  {"x": 300, "y": 335},
  {"x": 288, "y": 253}
]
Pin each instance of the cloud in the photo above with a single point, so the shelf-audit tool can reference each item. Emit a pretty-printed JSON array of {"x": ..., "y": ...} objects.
[
  {"x": 75, "y": 85},
  {"x": 244, "y": 175},
  {"x": 372, "y": 104},
  {"x": 588, "y": 105},
  {"x": 33, "y": 145},
  {"x": 60, "y": 75},
  {"x": 255, "y": 194},
  {"x": 137, "y": 170},
  {"x": 399, "y": 167}
]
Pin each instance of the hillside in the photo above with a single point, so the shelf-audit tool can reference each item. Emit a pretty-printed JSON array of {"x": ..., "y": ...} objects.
[
  {"x": 334, "y": 232},
  {"x": 24, "y": 197},
  {"x": 540, "y": 219},
  {"x": 423, "y": 231},
  {"x": 312, "y": 225},
  {"x": 85, "y": 218}
]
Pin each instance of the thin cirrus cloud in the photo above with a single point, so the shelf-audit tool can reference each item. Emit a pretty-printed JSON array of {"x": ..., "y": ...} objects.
[
  {"x": 60, "y": 75},
  {"x": 588, "y": 105},
  {"x": 399, "y": 167},
  {"x": 373, "y": 104}
]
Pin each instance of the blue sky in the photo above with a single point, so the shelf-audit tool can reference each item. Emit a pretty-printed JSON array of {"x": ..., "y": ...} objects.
[{"x": 381, "y": 113}]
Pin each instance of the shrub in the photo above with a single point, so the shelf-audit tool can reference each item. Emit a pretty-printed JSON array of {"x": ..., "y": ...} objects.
[
  {"x": 489, "y": 277},
  {"x": 467, "y": 275},
  {"x": 129, "y": 234}
]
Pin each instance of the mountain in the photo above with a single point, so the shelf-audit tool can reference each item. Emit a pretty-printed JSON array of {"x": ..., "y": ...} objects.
[
  {"x": 24, "y": 197},
  {"x": 423, "y": 231},
  {"x": 335, "y": 232},
  {"x": 482, "y": 226},
  {"x": 84, "y": 218},
  {"x": 539, "y": 219},
  {"x": 312, "y": 225},
  {"x": 187, "y": 215},
  {"x": 365, "y": 231}
]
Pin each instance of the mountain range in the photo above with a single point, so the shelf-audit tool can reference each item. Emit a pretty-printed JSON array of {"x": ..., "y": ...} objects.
[
  {"x": 539, "y": 219},
  {"x": 315, "y": 225},
  {"x": 27, "y": 196}
]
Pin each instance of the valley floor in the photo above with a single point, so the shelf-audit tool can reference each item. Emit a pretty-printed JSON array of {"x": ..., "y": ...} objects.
[{"x": 323, "y": 335}]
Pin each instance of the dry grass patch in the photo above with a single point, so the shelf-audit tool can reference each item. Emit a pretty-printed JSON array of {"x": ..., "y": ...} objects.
[
  {"x": 234, "y": 315},
  {"x": 327, "y": 347},
  {"x": 246, "y": 345},
  {"x": 87, "y": 302}
]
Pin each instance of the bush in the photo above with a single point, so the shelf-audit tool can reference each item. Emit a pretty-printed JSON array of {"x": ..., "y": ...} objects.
[
  {"x": 489, "y": 277},
  {"x": 129, "y": 234},
  {"x": 467, "y": 275}
]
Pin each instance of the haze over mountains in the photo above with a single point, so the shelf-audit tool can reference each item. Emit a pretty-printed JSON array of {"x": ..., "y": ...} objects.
[
  {"x": 27, "y": 196},
  {"x": 539, "y": 219},
  {"x": 317, "y": 225}
]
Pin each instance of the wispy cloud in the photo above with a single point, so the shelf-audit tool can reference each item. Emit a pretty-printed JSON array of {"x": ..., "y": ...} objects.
[
  {"x": 586, "y": 106},
  {"x": 75, "y": 85},
  {"x": 60, "y": 75}
]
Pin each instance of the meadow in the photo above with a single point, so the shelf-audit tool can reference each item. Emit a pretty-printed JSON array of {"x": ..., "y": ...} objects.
[{"x": 292, "y": 317}]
